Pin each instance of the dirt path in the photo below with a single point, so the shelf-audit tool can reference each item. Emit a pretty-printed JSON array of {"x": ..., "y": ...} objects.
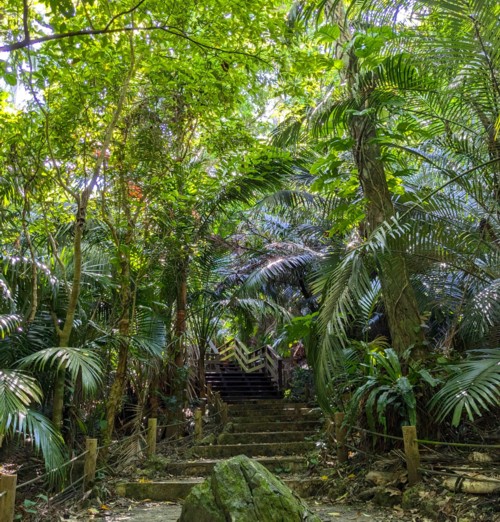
[{"x": 163, "y": 512}]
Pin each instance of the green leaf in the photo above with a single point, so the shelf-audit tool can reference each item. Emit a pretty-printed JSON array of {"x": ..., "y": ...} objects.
[{"x": 328, "y": 33}]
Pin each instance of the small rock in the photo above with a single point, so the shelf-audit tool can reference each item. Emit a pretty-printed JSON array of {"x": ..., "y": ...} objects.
[
  {"x": 368, "y": 494},
  {"x": 381, "y": 478},
  {"x": 387, "y": 497},
  {"x": 477, "y": 456}
]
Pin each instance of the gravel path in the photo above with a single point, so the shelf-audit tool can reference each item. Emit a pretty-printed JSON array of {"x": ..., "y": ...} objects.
[{"x": 163, "y": 512}]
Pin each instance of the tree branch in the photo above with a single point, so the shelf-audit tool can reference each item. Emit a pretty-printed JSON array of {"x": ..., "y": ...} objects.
[
  {"x": 128, "y": 11},
  {"x": 27, "y": 41}
]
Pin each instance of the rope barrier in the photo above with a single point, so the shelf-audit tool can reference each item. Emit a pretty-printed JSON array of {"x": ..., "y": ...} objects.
[
  {"x": 431, "y": 442},
  {"x": 36, "y": 479},
  {"x": 393, "y": 437},
  {"x": 357, "y": 450},
  {"x": 458, "y": 444},
  {"x": 120, "y": 441},
  {"x": 170, "y": 425},
  {"x": 458, "y": 476}
]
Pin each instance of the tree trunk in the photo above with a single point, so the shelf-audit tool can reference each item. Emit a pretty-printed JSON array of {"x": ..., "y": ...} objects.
[
  {"x": 180, "y": 323},
  {"x": 82, "y": 201},
  {"x": 397, "y": 293},
  {"x": 123, "y": 248},
  {"x": 65, "y": 333},
  {"x": 201, "y": 368}
]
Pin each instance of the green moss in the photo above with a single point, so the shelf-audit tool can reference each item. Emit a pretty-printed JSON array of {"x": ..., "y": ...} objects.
[{"x": 243, "y": 490}]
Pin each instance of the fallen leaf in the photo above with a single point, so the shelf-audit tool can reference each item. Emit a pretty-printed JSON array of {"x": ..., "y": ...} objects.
[{"x": 324, "y": 477}]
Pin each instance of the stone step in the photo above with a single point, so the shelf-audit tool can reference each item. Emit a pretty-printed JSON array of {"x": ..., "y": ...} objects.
[
  {"x": 236, "y": 410},
  {"x": 252, "y": 427},
  {"x": 274, "y": 405},
  {"x": 253, "y": 450},
  {"x": 235, "y": 375},
  {"x": 235, "y": 399},
  {"x": 201, "y": 468},
  {"x": 245, "y": 391},
  {"x": 281, "y": 417},
  {"x": 240, "y": 383},
  {"x": 269, "y": 436},
  {"x": 172, "y": 490}
]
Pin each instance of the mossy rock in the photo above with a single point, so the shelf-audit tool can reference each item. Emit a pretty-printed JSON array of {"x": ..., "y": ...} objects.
[
  {"x": 244, "y": 490},
  {"x": 208, "y": 440}
]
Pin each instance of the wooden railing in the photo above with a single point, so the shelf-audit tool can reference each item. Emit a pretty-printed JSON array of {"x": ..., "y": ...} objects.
[{"x": 250, "y": 360}]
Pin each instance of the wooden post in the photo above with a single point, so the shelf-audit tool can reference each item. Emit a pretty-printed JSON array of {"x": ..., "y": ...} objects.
[
  {"x": 340, "y": 435},
  {"x": 151, "y": 437},
  {"x": 8, "y": 499},
  {"x": 223, "y": 413},
  {"x": 198, "y": 424},
  {"x": 89, "y": 466},
  {"x": 280, "y": 374},
  {"x": 330, "y": 432},
  {"x": 412, "y": 454}
]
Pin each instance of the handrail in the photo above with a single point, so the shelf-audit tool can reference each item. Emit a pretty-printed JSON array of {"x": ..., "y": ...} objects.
[{"x": 253, "y": 360}]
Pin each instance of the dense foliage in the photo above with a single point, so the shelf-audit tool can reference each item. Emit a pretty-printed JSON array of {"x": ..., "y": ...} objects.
[{"x": 175, "y": 176}]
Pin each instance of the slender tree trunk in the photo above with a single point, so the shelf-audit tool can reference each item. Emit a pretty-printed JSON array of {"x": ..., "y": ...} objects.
[
  {"x": 82, "y": 201},
  {"x": 201, "y": 368},
  {"x": 123, "y": 248},
  {"x": 65, "y": 332},
  {"x": 116, "y": 393},
  {"x": 397, "y": 293},
  {"x": 180, "y": 322}
]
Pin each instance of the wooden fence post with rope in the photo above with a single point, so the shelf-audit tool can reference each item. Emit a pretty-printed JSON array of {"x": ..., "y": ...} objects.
[
  {"x": 198, "y": 424},
  {"x": 151, "y": 437},
  {"x": 90, "y": 463},
  {"x": 412, "y": 454},
  {"x": 7, "y": 497}
]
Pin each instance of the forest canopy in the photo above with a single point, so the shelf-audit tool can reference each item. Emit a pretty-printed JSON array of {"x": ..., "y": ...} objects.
[{"x": 177, "y": 176}]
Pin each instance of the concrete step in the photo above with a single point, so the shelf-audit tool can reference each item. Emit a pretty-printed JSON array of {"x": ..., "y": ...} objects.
[
  {"x": 270, "y": 411},
  {"x": 235, "y": 375},
  {"x": 259, "y": 427},
  {"x": 268, "y": 436},
  {"x": 281, "y": 417},
  {"x": 245, "y": 391},
  {"x": 239, "y": 380},
  {"x": 172, "y": 490},
  {"x": 201, "y": 468},
  {"x": 274, "y": 405},
  {"x": 235, "y": 399},
  {"x": 252, "y": 450}
]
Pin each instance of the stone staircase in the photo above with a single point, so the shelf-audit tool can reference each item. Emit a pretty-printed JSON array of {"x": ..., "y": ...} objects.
[{"x": 276, "y": 433}]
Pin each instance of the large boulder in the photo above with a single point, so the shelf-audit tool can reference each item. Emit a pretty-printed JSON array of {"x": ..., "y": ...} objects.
[{"x": 242, "y": 490}]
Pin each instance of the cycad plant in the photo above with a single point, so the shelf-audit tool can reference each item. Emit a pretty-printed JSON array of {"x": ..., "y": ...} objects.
[{"x": 421, "y": 144}]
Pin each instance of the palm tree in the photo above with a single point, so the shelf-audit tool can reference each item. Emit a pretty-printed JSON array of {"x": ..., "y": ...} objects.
[{"x": 405, "y": 252}]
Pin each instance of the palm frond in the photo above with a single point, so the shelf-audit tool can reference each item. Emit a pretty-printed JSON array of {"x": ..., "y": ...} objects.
[
  {"x": 78, "y": 361},
  {"x": 17, "y": 392},
  {"x": 474, "y": 389}
]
